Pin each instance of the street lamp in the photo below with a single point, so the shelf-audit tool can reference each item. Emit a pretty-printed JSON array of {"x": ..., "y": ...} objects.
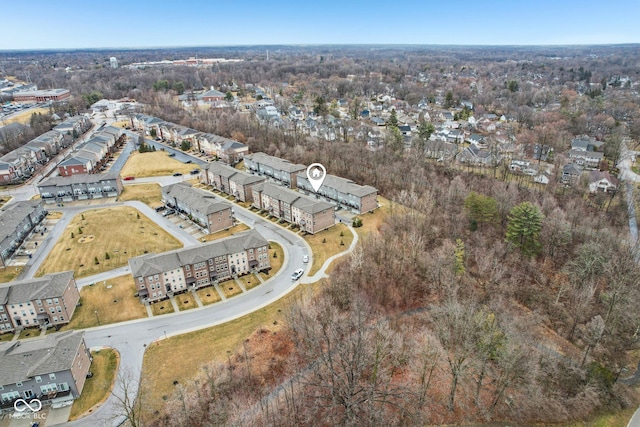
[{"x": 97, "y": 318}]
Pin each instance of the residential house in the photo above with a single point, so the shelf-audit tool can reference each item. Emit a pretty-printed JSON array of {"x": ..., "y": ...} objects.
[
  {"x": 440, "y": 150},
  {"x": 477, "y": 140},
  {"x": 602, "y": 181},
  {"x": 58, "y": 189},
  {"x": 8, "y": 172},
  {"x": 570, "y": 173},
  {"x": 203, "y": 208},
  {"x": 52, "y": 368},
  {"x": 158, "y": 276},
  {"x": 46, "y": 301},
  {"x": 310, "y": 214},
  {"x": 478, "y": 156},
  {"x": 586, "y": 159},
  {"x": 17, "y": 220},
  {"x": 230, "y": 180},
  {"x": 74, "y": 126},
  {"x": 75, "y": 165},
  {"x": 344, "y": 192},
  {"x": 273, "y": 168},
  {"x": 542, "y": 178},
  {"x": 213, "y": 96}
]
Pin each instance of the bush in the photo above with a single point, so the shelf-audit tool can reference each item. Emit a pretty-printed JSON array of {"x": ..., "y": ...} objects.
[
  {"x": 72, "y": 235},
  {"x": 96, "y": 260},
  {"x": 357, "y": 222},
  {"x": 324, "y": 240},
  {"x": 106, "y": 255}
]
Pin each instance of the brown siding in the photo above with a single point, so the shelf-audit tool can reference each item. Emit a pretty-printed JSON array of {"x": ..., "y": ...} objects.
[
  {"x": 220, "y": 220},
  {"x": 323, "y": 220},
  {"x": 368, "y": 203},
  {"x": 80, "y": 367}
]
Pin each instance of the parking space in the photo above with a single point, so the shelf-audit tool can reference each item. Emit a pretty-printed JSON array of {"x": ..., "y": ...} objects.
[
  {"x": 33, "y": 241},
  {"x": 183, "y": 222}
]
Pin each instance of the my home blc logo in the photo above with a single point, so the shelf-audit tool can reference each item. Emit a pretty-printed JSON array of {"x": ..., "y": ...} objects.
[{"x": 29, "y": 409}]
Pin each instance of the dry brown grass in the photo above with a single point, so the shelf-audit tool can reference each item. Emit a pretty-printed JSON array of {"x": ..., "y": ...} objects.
[
  {"x": 186, "y": 301},
  {"x": 372, "y": 221},
  {"x": 54, "y": 215},
  {"x": 97, "y": 388},
  {"x": 162, "y": 307},
  {"x": 6, "y": 336},
  {"x": 151, "y": 194},
  {"x": 121, "y": 231},
  {"x": 29, "y": 333},
  {"x": 331, "y": 246},
  {"x": 24, "y": 117},
  {"x": 230, "y": 288},
  {"x": 276, "y": 263},
  {"x": 181, "y": 357},
  {"x": 208, "y": 295},
  {"x": 113, "y": 304},
  {"x": 226, "y": 233},
  {"x": 157, "y": 163},
  {"x": 7, "y": 274}
]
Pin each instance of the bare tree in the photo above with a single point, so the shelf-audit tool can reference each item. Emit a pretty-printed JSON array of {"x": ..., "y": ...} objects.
[{"x": 129, "y": 397}]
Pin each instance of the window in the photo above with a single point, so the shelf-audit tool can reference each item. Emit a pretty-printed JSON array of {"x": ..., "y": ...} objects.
[
  {"x": 52, "y": 376},
  {"x": 55, "y": 318},
  {"x": 141, "y": 279},
  {"x": 28, "y": 394},
  {"x": 59, "y": 309},
  {"x": 18, "y": 384},
  {"x": 49, "y": 302},
  {"x": 61, "y": 319},
  {"x": 186, "y": 267},
  {"x": 48, "y": 388},
  {"x": 56, "y": 301},
  {"x": 8, "y": 397},
  {"x": 38, "y": 379},
  {"x": 41, "y": 310}
]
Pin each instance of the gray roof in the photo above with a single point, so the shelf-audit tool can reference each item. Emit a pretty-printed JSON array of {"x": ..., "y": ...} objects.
[
  {"x": 197, "y": 199},
  {"x": 305, "y": 203},
  {"x": 49, "y": 286},
  {"x": 81, "y": 178},
  {"x": 275, "y": 162},
  {"x": 149, "y": 264},
  {"x": 24, "y": 359},
  {"x": 13, "y": 214},
  {"x": 345, "y": 186},
  {"x": 233, "y": 174}
]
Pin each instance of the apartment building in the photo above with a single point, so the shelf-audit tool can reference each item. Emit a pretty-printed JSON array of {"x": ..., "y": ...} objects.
[
  {"x": 177, "y": 271},
  {"x": 16, "y": 222},
  {"x": 48, "y": 300},
  {"x": 274, "y": 168},
  {"x": 343, "y": 192},
  {"x": 311, "y": 214},
  {"x": 52, "y": 368},
  {"x": 58, "y": 189},
  {"x": 205, "y": 209},
  {"x": 41, "y": 95},
  {"x": 230, "y": 180}
]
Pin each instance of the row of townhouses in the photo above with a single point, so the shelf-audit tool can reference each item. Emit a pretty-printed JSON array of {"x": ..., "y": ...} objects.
[
  {"x": 205, "y": 209},
  {"x": 21, "y": 163},
  {"x": 158, "y": 276},
  {"x": 227, "y": 150},
  {"x": 17, "y": 220},
  {"x": 57, "y": 189},
  {"x": 52, "y": 368},
  {"x": 90, "y": 156},
  {"x": 273, "y": 168},
  {"x": 230, "y": 180},
  {"x": 46, "y": 301}
]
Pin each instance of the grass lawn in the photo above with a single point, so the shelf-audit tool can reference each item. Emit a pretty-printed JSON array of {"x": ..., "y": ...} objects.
[
  {"x": 332, "y": 238},
  {"x": 122, "y": 232},
  {"x": 113, "y": 304},
  {"x": 226, "y": 233},
  {"x": 6, "y": 336},
  {"x": 181, "y": 357},
  {"x": 7, "y": 274},
  {"x": 4, "y": 201},
  {"x": 186, "y": 301},
  {"x": 230, "y": 288},
  {"x": 146, "y": 193},
  {"x": 157, "y": 163},
  {"x": 97, "y": 388},
  {"x": 24, "y": 117},
  {"x": 372, "y": 221},
  {"x": 54, "y": 215},
  {"x": 249, "y": 281},
  {"x": 29, "y": 333},
  {"x": 162, "y": 307},
  {"x": 276, "y": 263},
  {"x": 208, "y": 295}
]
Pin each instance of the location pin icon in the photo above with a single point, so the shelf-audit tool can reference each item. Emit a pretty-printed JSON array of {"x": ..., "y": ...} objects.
[{"x": 316, "y": 173}]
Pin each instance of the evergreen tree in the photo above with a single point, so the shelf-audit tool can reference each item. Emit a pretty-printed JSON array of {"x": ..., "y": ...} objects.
[
  {"x": 523, "y": 229},
  {"x": 480, "y": 209}
]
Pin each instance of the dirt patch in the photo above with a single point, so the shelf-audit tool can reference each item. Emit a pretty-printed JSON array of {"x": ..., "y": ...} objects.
[{"x": 86, "y": 239}]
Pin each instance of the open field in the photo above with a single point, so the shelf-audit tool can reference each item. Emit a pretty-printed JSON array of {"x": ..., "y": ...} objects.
[
  {"x": 97, "y": 388},
  {"x": 121, "y": 232},
  {"x": 7, "y": 274},
  {"x": 24, "y": 117},
  {"x": 146, "y": 193},
  {"x": 105, "y": 303},
  {"x": 208, "y": 295},
  {"x": 226, "y": 233},
  {"x": 186, "y": 301},
  {"x": 181, "y": 357},
  {"x": 157, "y": 163},
  {"x": 162, "y": 307},
  {"x": 331, "y": 246}
]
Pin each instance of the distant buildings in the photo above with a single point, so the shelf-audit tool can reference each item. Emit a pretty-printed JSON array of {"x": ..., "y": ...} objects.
[
  {"x": 17, "y": 220},
  {"x": 41, "y": 95},
  {"x": 158, "y": 276},
  {"x": 113, "y": 62}
]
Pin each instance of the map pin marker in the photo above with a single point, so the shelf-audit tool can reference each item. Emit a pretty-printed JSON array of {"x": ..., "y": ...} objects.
[{"x": 316, "y": 173}]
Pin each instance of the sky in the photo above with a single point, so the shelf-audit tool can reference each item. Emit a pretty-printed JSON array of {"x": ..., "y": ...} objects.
[{"x": 73, "y": 24}]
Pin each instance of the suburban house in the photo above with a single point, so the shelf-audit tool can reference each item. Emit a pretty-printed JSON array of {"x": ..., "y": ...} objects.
[
  {"x": 478, "y": 156},
  {"x": 274, "y": 168},
  {"x": 440, "y": 150},
  {"x": 74, "y": 126},
  {"x": 343, "y": 192},
  {"x": 52, "y": 368},
  {"x": 602, "y": 181},
  {"x": 310, "y": 214},
  {"x": 213, "y": 96},
  {"x": 477, "y": 140},
  {"x": 158, "y": 276},
  {"x": 17, "y": 220},
  {"x": 230, "y": 180},
  {"x": 58, "y": 189},
  {"x": 570, "y": 173},
  {"x": 586, "y": 159},
  {"x": 76, "y": 165},
  {"x": 203, "y": 208},
  {"x": 46, "y": 301}
]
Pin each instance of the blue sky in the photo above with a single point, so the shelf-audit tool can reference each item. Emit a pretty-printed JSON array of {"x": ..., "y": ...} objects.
[{"x": 144, "y": 23}]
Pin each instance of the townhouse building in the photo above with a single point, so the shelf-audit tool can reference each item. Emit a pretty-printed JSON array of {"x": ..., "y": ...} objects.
[
  {"x": 52, "y": 368},
  {"x": 345, "y": 193},
  {"x": 230, "y": 180},
  {"x": 205, "y": 209},
  {"x": 17, "y": 220},
  {"x": 310, "y": 214},
  {"x": 91, "y": 155},
  {"x": 273, "y": 168},
  {"x": 74, "y": 126},
  {"x": 46, "y": 301},
  {"x": 157, "y": 276},
  {"x": 58, "y": 189}
]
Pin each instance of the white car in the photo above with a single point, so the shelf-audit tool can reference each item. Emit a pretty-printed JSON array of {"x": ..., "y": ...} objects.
[
  {"x": 297, "y": 274},
  {"x": 305, "y": 258}
]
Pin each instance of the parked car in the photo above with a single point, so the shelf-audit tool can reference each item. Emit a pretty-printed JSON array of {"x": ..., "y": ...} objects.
[
  {"x": 172, "y": 154},
  {"x": 305, "y": 259},
  {"x": 177, "y": 174},
  {"x": 160, "y": 208},
  {"x": 297, "y": 274},
  {"x": 129, "y": 178},
  {"x": 188, "y": 161},
  {"x": 195, "y": 172},
  {"x": 168, "y": 212}
]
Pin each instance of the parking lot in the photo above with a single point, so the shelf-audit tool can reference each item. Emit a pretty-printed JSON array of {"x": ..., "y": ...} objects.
[
  {"x": 33, "y": 242},
  {"x": 183, "y": 222}
]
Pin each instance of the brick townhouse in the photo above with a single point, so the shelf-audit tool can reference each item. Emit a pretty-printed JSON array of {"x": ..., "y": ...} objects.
[{"x": 230, "y": 180}]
